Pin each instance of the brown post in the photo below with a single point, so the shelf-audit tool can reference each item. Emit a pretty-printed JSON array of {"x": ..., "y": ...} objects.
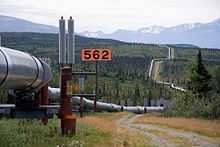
[
  {"x": 81, "y": 106},
  {"x": 96, "y": 88},
  {"x": 44, "y": 95},
  {"x": 94, "y": 107},
  {"x": 44, "y": 100},
  {"x": 68, "y": 120}
]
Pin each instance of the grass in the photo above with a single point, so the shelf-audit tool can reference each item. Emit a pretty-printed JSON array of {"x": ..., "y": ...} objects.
[
  {"x": 99, "y": 130},
  {"x": 209, "y": 128},
  {"x": 112, "y": 116},
  {"x": 121, "y": 137},
  {"x": 31, "y": 133}
]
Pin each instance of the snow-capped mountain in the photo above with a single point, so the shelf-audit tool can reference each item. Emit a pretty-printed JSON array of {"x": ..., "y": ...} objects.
[
  {"x": 203, "y": 35},
  {"x": 152, "y": 29},
  {"x": 200, "y": 34},
  {"x": 96, "y": 34},
  {"x": 184, "y": 27}
]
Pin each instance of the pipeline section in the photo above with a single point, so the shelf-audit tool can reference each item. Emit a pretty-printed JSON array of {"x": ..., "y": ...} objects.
[
  {"x": 55, "y": 92},
  {"x": 21, "y": 71},
  {"x": 170, "y": 57}
]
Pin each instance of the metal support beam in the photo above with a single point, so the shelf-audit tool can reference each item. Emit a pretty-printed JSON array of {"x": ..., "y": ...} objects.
[
  {"x": 84, "y": 95},
  {"x": 68, "y": 120},
  {"x": 81, "y": 107},
  {"x": 44, "y": 100},
  {"x": 96, "y": 88},
  {"x": 84, "y": 73}
]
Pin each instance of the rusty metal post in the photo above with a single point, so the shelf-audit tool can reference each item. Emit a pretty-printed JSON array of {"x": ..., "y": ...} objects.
[
  {"x": 44, "y": 95},
  {"x": 82, "y": 88},
  {"x": 68, "y": 120},
  {"x": 94, "y": 107},
  {"x": 44, "y": 100},
  {"x": 81, "y": 107}
]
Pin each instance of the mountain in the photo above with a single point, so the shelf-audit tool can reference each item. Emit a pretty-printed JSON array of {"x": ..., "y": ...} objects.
[
  {"x": 12, "y": 24},
  {"x": 205, "y": 35},
  {"x": 152, "y": 29}
]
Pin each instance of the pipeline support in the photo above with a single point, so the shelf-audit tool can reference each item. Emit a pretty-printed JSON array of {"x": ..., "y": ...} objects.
[{"x": 68, "y": 120}]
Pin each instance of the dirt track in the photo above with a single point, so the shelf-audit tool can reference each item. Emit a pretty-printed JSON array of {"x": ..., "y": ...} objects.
[{"x": 167, "y": 137}]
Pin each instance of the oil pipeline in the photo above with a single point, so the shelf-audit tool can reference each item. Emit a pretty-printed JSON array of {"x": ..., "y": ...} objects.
[{"x": 26, "y": 78}]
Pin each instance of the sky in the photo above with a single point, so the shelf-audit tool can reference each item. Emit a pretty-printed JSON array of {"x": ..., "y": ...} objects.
[{"x": 110, "y": 15}]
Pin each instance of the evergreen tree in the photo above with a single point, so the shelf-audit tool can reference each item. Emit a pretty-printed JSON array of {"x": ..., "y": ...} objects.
[
  {"x": 200, "y": 78},
  {"x": 216, "y": 80},
  {"x": 136, "y": 94},
  {"x": 116, "y": 85}
]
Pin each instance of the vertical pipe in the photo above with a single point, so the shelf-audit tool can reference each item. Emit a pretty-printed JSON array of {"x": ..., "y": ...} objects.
[
  {"x": 71, "y": 42},
  {"x": 62, "y": 41},
  {"x": 169, "y": 53}
]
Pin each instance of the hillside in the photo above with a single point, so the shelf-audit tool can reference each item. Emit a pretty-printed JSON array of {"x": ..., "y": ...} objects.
[
  {"x": 127, "y": 69},
  {"x": 47, "y": 44},
  {"x": 12, "y": 24},
  {"x": 125, "y": 73}
]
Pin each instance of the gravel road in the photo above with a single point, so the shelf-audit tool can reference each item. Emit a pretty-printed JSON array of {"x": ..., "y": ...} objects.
[{"x": 167, "y": 137}]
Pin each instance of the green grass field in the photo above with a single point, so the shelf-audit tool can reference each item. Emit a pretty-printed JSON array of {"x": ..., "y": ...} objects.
[
  {"x": 32, "y": 133},
  {"x": 93, "y": 130}
]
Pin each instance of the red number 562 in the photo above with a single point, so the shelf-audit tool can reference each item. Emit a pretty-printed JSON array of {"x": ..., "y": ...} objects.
[{"x": 96, "y": 54}]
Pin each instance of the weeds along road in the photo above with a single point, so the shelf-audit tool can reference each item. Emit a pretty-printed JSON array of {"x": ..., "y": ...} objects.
[{"x": 166, "y": 136}]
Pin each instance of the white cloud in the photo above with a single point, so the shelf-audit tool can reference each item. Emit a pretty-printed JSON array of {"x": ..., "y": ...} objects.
[{"x": 109, "y": 15}]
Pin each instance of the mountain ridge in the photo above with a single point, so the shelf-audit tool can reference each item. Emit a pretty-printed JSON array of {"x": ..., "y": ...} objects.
[
  {"x": 200, "y": 34},
  {"x": 12, "y": 24},
  {"x": 205, "y": 35}
]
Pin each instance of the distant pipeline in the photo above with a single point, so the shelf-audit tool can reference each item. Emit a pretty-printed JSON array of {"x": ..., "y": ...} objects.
[
  {"x": 19, "y": 71},
  {"x": 55, "y": 92}
]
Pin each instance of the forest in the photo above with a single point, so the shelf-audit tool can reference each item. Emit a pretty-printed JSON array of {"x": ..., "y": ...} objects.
[{"x": 124, "y": 80}]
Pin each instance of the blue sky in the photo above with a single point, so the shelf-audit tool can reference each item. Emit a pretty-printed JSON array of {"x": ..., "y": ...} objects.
[{"x": 110, "y": 15}]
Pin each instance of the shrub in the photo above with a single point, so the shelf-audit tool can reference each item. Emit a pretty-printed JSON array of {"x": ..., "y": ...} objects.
[{"x": 190, "y": 105}]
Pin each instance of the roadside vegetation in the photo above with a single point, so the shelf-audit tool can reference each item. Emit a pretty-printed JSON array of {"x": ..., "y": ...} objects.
[
  {"x": 98, "y": 130},
  {"x": 202, "y": 98},
  {"x": 26, "y": 133},
  {"x": 209, "y": 128}
]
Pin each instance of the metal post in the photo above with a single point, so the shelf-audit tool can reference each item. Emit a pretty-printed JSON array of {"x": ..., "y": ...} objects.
[
  {"x": 44, "y": 95},
  {"x": 68, "y": 120},
  {"x": 81, "y": 107},
  {"x": 44, "y": 100},
  {"x": 96, "y": 88},
  {"x": 81, "y": 83}
]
